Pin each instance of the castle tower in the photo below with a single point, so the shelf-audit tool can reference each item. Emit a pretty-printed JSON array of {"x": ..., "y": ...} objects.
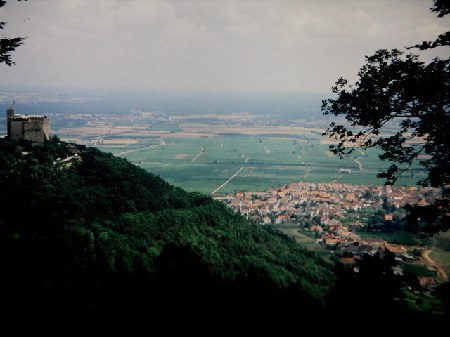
[
  {"x": 33, "y": 128},
  {"x": 9, "y": 117}
]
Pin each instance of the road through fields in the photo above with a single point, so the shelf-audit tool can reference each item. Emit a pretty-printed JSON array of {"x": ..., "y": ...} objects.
[
  {"x": 130, "y": 151},
  {"x": 201, "y": 164},
  {"x": 226, "y": 182}
]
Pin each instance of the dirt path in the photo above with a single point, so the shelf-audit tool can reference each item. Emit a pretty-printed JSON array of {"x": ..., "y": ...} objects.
[
  {"x": 430, "y": 264},
  {"x": 197, "y": 155},
  {"x": 130, "y": 151},
  {"x": 226, "y": 182},
  {"x": 265, "y": 148},
  {"x": 359, "y": 164}
]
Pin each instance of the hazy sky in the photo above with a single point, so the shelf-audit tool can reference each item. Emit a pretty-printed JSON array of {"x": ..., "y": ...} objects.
[{"x": 246, "y": 45}]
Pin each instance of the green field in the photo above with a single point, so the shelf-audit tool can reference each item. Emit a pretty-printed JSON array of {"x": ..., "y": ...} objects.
[
  {"x": 204, "y": 164},
  {"x": 441, "y": 251}
]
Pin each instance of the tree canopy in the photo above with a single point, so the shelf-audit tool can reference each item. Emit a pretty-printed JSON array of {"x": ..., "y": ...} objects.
[
  {"x": 106, "y": 237},
  {"x": 8, "y": 45},
  {"x": 400, "y": 105}
]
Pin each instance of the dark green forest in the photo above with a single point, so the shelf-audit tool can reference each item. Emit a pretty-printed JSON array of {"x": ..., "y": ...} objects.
[{"x": 104, "y": 238}]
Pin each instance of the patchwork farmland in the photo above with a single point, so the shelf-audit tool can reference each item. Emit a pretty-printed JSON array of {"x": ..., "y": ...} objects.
[
  {"x": 204, "y": 164},
  {"x": 235, "y": 154}
]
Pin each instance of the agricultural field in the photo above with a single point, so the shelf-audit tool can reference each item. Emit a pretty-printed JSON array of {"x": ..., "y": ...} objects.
[
  {"x": 226, "y": 153},
  {"x": 227, "y": 164}
]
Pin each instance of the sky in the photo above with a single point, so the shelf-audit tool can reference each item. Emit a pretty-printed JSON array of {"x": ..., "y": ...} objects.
[{"x": 272, "y": 46}]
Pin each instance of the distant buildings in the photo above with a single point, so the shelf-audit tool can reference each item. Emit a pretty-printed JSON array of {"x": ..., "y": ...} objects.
[
  {"x": 328, "y": 201},
  {"x": 29, "y": 127}
]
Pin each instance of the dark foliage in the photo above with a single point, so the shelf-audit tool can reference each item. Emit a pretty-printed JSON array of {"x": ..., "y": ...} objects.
[
  {"x": 399, "y": 89},
  {"x": 399, "y": 92},
  {"x": 105, "y": 237},
  {"x": 105, "y": 240},
  {"x": 8, "y": 45}
]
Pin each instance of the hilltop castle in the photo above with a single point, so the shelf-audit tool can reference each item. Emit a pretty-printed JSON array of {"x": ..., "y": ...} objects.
[{"x": 29, "y": 127}]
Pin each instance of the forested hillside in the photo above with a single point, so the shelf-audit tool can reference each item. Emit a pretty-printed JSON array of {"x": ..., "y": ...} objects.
[
  {"x": 104, "y": 235},
  {"x": 97, "y": 236}
]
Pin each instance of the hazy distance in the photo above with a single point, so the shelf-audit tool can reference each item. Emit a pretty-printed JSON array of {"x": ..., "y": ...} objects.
[{"x": 275, "y": 46}]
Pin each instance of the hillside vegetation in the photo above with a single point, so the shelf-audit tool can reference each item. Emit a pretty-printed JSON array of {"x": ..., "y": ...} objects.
[{"x": 102, "y": 237}]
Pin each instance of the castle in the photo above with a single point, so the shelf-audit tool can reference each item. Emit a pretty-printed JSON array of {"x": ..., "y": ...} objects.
[{"x": 29, "y": 127}]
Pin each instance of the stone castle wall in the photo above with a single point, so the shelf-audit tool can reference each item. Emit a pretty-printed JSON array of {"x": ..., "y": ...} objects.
[{"x": 33, "y": 128}]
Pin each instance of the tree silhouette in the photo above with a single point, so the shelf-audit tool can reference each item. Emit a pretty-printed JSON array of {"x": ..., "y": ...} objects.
[
  {"x": 397, "y": 91},
  {"x": 8, "y": 45}
]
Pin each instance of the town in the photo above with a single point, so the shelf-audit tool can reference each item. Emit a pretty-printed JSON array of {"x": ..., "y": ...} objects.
[
  {"x": 327, "y": 200},
  {"x": 332, "y": 212}
]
